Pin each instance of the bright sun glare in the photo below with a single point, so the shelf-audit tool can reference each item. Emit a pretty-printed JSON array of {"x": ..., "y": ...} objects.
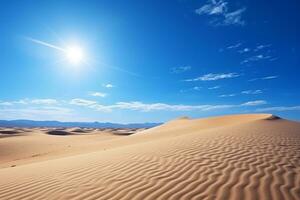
[{"x": 74, "y": 54}]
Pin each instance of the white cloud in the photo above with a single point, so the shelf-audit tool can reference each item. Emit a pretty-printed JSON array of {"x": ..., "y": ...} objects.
[
  {"x": 231, "y": 47},
  {"x": 234, "y": 46},
  {"x": 196, "y": 88},
  {"x": 264, "y": 78},
  {"x": 22, "y": 101},
  {"x": 254, "y": 103},
  {"x": 98, "y": 94},
  {"x": 108, "y": 85},
  {"x": 82, "y": 102},
  {"x": 44, "y": 101},
  {"x": 260, "y": 47},
  {"x": 262, "y": 53},
  {"x": 251, "y": 92},
  {"x": 146, "y": 107},
  {"x": 245, "y": 50},
  {"x": 162, "y": 106},
  {"x": 269, "y": 77},
  {"x": 215, "y": 87},
  {"x": 165, "y": 107},
  {"x": 30, "y": 102},
  {"x": 218, "y": 10},
  {"x": 90, "y": 104},
  {"x": 214, "y": 77},
  {"x": 42, "y": 110},
  {"x": 213, "y": 8},
  {"x": 5, "y": 103},
  {"x": 279, "y": 108},
  {"x": 256, "y": 58},
  {"x": 234, "y": 17},
  {"x": 177, "y": 70},
  {"x": 227, "y": 95},
  {"x": 254, "y": 54}
]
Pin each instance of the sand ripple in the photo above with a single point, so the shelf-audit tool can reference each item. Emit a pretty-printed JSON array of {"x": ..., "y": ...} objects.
[{"x": 257, "y": 159}]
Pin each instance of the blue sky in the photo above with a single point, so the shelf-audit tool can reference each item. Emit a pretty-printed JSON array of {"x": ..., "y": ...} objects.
[{"x": 149, "y": 61}]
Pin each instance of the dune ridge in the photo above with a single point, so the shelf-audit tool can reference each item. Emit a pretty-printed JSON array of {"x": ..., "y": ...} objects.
[{"x": 230, "y": 157}]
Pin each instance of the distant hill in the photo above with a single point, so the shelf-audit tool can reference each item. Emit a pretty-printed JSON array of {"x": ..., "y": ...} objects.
[{"x": 32, "y": 123}]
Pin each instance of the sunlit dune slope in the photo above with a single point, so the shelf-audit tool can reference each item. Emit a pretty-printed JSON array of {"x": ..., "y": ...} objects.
[
  {"x": 230, "y": 157},
  {"x": 185, "y": 125}
]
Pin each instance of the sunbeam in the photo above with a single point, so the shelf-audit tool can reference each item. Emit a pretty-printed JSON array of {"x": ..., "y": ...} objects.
[{"x": 74, "y": 54}]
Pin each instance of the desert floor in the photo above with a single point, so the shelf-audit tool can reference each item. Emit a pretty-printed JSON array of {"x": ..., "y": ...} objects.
[{"x": 255, "y": 156}]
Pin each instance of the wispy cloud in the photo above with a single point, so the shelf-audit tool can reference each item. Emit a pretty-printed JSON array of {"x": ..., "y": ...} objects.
[
  {"x": 68, "y": 107},
  {"x": 90, "y": 104},
  {"x": 264, "y": 78},
  {"x": 213, "y": 7},
  {"x": 234, "y": 46},
  {"x": 162, "y": 106},
  {"x": 214, "y": 77},
  {"x": 254, "y": 103},
  {"x": 252, "y": 92},
  {"x": 218, "y": 11},
  {"x": 30, "y": 101},
  {"x": 227, "y": 95},
  {"x": 247, "y": 92},
  {"x": 261, "y": 46},
  {"x": 214, "y": 88},
  {"x": 145, "y": 107},
  {"x": 256, "y": 58},
  {"x": 253, "y": 53},
  {"x": 44, "y": 101},
  {"x": 181, "y": 69},
  {"x": 269, "y": 77},
  {"x": 231, "y": 47},
  {"x": 279, "y": 109},
  {"x": 156, "y": 106},
  {"x": 22, "y": 101},
  {"x": 98, "y": 94},
  {"x": 234, "y": 17},
  {"x": 195, "y": 88},
  {"x": 5, "y": 103},
  {"x": 261, "y": 54},
  {"x": 82, "y": 102}
]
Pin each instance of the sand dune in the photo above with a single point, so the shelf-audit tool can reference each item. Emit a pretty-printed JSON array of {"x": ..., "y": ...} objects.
[
  {"x": 49, "y": 143},
  {"x": 229, "y": 157}
]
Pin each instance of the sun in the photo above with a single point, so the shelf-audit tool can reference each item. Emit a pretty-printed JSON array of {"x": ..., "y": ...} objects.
[{"x": 75, "y": 54}]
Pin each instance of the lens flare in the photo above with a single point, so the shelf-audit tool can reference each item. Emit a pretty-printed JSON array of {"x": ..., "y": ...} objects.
[{"x": 74, "y": 54}]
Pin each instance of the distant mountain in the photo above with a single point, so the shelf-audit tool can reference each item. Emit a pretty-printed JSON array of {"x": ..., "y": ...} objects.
[{"x": 32, "y": 123}]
